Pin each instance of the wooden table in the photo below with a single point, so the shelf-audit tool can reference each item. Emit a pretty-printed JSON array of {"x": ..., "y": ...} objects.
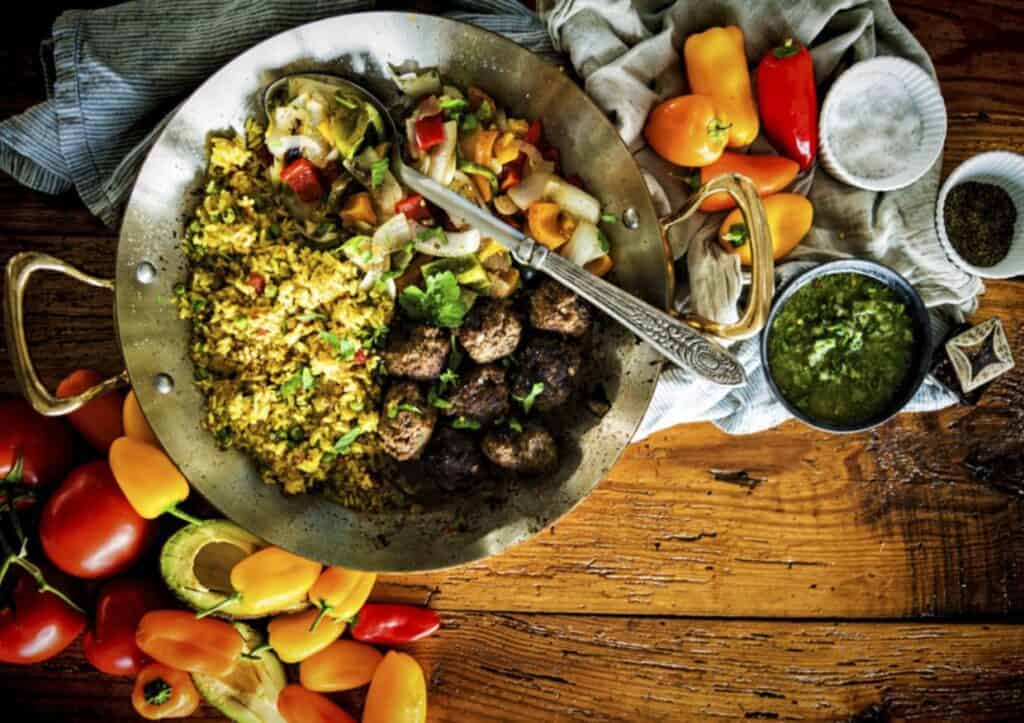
[{"x": 789, "y": 574}]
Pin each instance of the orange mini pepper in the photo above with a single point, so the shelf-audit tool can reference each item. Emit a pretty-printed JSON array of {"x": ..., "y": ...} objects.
[
  {"x": 398, "y": 693},
  {"x": 177, "y": 639},
  {"x": 769, "y": 173},
  {"x": 342, "y": 665},
  {"x": 163, "y": 692},
  {"x": 135, "y": 424},
  {"x": 298, "y": 705},
  {"x": 688, "y": 130},
  {"x": 148, "y": 478},
  {"x": 789, "y": 216},
  {"x": 340, "y": 593},
  {"x": 269, "y": 579},
  {"x": 297, "y": 636},
  {"x": 716, "y": 65}
]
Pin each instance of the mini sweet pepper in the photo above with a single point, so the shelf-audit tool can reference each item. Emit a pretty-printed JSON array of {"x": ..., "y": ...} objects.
[
  {"x": 176, "y": 638},
  {"x": 269, "y": 579},
  {"x": 340, "y": 593},
  {"x": 716, "y": 65},
  {"x": 148, "y": 478},
  {"x": 162, "y": 692}
]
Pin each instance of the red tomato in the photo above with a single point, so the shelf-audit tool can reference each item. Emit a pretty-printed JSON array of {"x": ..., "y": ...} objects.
[
  {"x": 37, "y": 625},
  {"x": 110, "y": 644},
  {"x": 89, "y": 529},
  {"x": 99, "y": 421},
  {"x": 44, "y": 444},
  {"x": 303, "y": 178}
]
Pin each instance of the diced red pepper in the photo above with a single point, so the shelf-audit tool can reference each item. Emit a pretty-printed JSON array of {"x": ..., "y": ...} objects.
[
  {"x": 512, "y": 172},
  {"x": 414, "y": 208},
  {"x": 303, "y": 178},
  {"x": 359, "y": 357},
  {"x": 430, "y": 131},
  {"x": 257, "y": 282},
  {"x": 535, "y": 133}
]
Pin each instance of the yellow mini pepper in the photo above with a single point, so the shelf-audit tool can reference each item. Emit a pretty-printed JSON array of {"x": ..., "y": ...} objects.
[
  {"x": 398, "y": 692},
  {"x": 294, "y": 637},
  {"x": 340, "y": 593},
  {"x": 716, "y": 64},
  {"x": 269, "y": 579},
  {"x": 148, "y": 478}
]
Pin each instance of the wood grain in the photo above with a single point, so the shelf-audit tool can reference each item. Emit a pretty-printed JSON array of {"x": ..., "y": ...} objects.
[{"x": 493, "y": 667}]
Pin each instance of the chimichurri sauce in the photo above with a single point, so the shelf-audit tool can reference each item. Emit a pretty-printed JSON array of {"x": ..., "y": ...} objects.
[{"x": 841, "y": 347}]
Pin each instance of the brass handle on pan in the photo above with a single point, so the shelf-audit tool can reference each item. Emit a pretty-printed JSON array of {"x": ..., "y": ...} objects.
[
  {"x": 762, "y": 271},
  {"x": 19, "y": 269}
]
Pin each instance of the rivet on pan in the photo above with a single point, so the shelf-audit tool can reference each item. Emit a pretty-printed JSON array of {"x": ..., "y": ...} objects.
[
  {"x": 631, "y": 219},
  {"x": 163, "y": 383},
  {"x": 145, "y": 273}
]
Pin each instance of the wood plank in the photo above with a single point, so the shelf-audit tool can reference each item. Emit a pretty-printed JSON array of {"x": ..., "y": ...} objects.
[{"x": 487, "y": 667}]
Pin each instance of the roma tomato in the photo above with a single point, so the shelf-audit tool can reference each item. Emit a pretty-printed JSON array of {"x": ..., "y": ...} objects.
[
  {"x": 37, "y": 625},
  {"x": 110, "y": 644},
  {"x": 43, "y": 444},
  {"x": 89, "y": 529},
  {"x": 99, "y": 421}
]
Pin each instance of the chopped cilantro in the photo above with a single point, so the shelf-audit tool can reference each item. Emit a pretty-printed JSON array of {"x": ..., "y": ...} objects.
[
  {"x": 393, "y": 409},
  {"x": 346, "y": 440},
  {"x": 465, "y": 423},
  {"x": 441, "y": 303},
  {"x": 377, "y": 171},
  {"x": 530, "y": 398},
  {"x": 291, "y": 386},
  {"x": 603, "y": 241},
  {"x": 609, "y": 218},
  {"x": 307, "y": 379},
  {"x": 347, "y": 349},
  {"x": 515, "y": 425},
  {"x": 437, "y": 401},
  {"x": 312, "y": 316},
  {"x": 448, "y": 378}
]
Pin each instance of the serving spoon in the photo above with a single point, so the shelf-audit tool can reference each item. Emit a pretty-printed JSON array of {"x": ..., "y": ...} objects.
[{"x": 676, "y": 341}]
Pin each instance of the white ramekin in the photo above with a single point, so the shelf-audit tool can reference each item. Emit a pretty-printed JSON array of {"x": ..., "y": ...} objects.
[
  {"x": 1003, "y": 169},
  {"x": 925, "y": 94}
]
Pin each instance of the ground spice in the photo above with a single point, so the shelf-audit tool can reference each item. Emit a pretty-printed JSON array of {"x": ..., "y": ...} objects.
[{"x": 979, "y": 220}]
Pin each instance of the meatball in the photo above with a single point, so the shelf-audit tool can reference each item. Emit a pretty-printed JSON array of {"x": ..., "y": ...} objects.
[
  {"x": 553, "y": 362},
  {"x": 416, "y": 351},
  {"x": 531, "y": 451},
  {"x": 555, "y": 308},
  {"x": 491, "y": 330},
  {"x": 453, "y": 459},
  {"x": 481, "y": 395},
  {"x": 407, "y": 422}
]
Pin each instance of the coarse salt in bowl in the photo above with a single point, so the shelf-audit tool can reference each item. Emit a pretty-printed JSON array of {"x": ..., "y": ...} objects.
[
  {"x": 1003, "y": 169},
  {"x": 883, "y": 125}
]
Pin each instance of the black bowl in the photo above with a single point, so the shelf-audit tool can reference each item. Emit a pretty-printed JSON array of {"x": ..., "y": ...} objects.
[{"x": 922, "y": 338}]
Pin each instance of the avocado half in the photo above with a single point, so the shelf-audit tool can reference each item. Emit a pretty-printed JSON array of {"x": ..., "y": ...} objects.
[
  {"x": 196, "y": 565},
  {"x": 248, "y": 694}
]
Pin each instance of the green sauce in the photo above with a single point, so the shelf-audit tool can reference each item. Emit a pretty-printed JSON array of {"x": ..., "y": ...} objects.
[{"x": 841, "y": 348}]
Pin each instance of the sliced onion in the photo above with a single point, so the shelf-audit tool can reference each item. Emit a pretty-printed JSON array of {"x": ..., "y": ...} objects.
[
  {"x": 410, "y": 138},
  {"x": 574, "y": 201},
  {"x": 389, "y": 237},
  {"x": 311, "y": 148},
  {"x": 535, "y": 161},
  {"x": 461, "y": 243},
  {"x": 530, "y": 190},
  {"x": 417, "y": 84},
  {"x": 585, "y": 244},
  {"x": 442, "y": 157}
]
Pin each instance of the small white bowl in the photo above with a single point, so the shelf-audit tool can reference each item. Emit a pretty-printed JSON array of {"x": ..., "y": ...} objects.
[
  {"x": 1003, "y": 169},
  {"x": 854, "y": 86}
]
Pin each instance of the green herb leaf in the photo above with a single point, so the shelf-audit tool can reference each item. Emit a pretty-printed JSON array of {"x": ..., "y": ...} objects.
[
  {"x": 737, "y": 234},
  {"x": 470, "y": 122},
  {"x": 465, "y": 423},
  {"x": 347, "y": 349},
  {"x": 433, "y": 232},
  {"x": 346, "y": 440},
  {"x": 312, "y": 316},
  {"x": 515, "y": 425},
  {"x": 307, "y": 379},
  {"x": 331, "y": 339},
  {"x": 393, "y": 409},
  {"x": 435, "y": 400},
  {"x": 530, "y": 398},
  {"x": 291, "y": 386},
  {"x": 441, "y": 303},
  {"x": 609, "y": 218},
  {"x": 448, "y": 378},
  {"x": 603, "y": 241},
  {"x": 377, "y": 171}
]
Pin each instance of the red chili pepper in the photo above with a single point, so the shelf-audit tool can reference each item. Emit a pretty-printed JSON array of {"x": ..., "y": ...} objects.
[
  {"x": 430, "y": 131},
  {"x": 789, "y": 101},
  {"x": 303, "y": 178},
  {"x": 393, "y": 624},
  {"x": 535, "y": 133},
  {"x": 257, "y": 282},
  {"x": 414, "y": 208},
  {"x": 512, "y": 172}
]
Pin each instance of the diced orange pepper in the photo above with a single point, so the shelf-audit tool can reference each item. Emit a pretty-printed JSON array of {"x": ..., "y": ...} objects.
[
  {"x": 478, "y": 146},
  {"x": 298, "y": 705},
  {"x": 342, "y": 665},
  {"x": 506, "y": 148},
  {"x": 297, "y": 636},
  {"x": 546, "y": 225},
  {"x": 99, "y": 421},
  {"x": 398, "y": 693},
  {"x": 135, "y": 424},
  {"x": 148, "y": 478},
  {"x": 162, "y": 692},
  {"x": 177, "y": 639},
  {"x": 599, "y": 266},
  {"x": 358, "y": 208}
]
